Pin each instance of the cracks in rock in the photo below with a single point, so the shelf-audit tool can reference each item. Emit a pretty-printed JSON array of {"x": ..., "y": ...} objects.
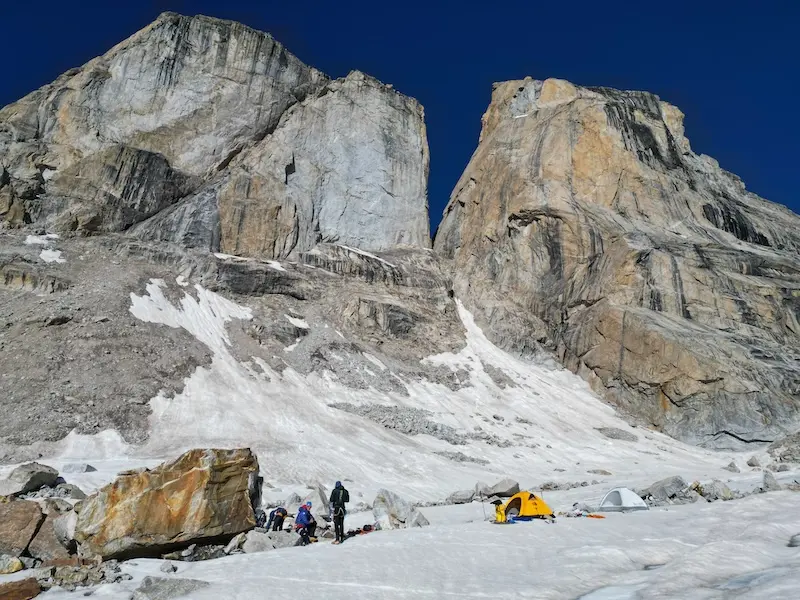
[
  {"x": 231, "y": 155},
  {"x": 586, "y": 303},
  {"x": 289, "y": 170},
  {"x": 738, "y": 437},
  {"x": 527, "y": 216},
  {"x": 387, "y": 191},
  {"x": 668, "y": 397}
]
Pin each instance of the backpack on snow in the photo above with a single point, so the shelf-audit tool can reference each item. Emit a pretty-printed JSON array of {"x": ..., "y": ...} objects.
[{"x": 261, "y": 518}]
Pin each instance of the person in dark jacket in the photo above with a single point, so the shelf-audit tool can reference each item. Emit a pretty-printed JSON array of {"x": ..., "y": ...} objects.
[
  {"x": 339, "y": 497},
  {"x": 276, "y": 518},
  {"x": 305, "y": 524}
]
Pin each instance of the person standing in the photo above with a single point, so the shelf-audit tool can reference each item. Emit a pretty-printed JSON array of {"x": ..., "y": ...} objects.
[{"x": 339, "y": 497}]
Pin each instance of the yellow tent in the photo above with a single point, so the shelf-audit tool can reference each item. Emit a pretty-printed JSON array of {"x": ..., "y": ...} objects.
[{"x": 525, "y": 506}]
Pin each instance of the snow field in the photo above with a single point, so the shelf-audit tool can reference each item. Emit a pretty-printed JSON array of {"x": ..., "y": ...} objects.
[
  {"x": 548, "y": 414},
  {"x": 691, "y": 552}
]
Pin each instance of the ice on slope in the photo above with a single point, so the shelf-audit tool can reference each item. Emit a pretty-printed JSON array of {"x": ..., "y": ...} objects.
[
  {"x": 299, "y": 323},
  {"x": 48, "y": 255},
  {"x": 367, "y": 254},
  {"x": 272, "y": 264},
  {"x": 41, "y": 240},
  {"x": 550, "y": 415}
]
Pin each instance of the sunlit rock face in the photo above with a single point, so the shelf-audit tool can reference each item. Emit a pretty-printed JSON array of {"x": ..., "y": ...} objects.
[{"x": 585, "y": 222}]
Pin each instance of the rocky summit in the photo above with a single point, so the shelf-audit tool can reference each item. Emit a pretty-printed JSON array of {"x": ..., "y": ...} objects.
[
  {"x": 208, "y": 243},
  {"x": 211, "y": 134},
  {"x": 584, "y": 222}
]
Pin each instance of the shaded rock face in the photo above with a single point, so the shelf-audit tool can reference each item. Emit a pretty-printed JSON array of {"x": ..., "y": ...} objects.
[
  {"x": 211, "y": 134},
  {"x": 585, "y": 222},
  {"x": 202, "y": 496},
  {"x": 27, "y": 478},
  {"x": 19, "y": 522},
  {"x": 348, "y": 165}
]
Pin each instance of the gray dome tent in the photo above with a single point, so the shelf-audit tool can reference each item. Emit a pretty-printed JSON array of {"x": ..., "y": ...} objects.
[{"x": 621, "y": 500}]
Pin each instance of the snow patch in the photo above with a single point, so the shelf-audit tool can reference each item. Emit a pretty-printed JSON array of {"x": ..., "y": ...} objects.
[
  {"x": 50, "y": 256},
  {"x": 181, "y": 281},
  {"x": 222, "y": 256},
  {"x": 374, "y": 360},
  {"x": 367, "y": 254},
  {"x": 274, "y": 264},
  {"x": 204, "y": 318},
  {"x": 286, "y": 415},
  {"x": 297, "y": 322},
  {"x": 41, "y": 240}
]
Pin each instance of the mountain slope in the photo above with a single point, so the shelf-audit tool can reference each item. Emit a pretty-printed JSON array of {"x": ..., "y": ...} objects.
[{"x": 584, "y": 221}]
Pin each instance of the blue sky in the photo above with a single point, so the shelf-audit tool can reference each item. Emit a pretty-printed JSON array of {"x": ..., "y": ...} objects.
[{"x": 731, "y": 67}]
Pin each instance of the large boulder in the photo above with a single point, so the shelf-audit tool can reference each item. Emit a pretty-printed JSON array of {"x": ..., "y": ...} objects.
[
  {"x": 292, "y": 502},
  {"x": 64, "y": 529},
  {"x": 272, "y": 540},
  {"x": 672, "y": 490},
  {"x": 319, "y": 503},
  {"x": 392, "y": 512},
  {"x": 716, "y": 490},
  {"x": 24, "y": 589},
  {"x": 461, "y": 497},
  {"x": 786, "y": 449},
  {"x": 46, "y": 545},
  {"x": 78, "y": 468},
  {"x": 19, "y": 521},
  {"x": 770, "y": 483},
  {"x": 482, "y": 490},
  {"x": 666, "y": 489},
  {"x": 28, "y": 478},
  {"x": 505, "y": 488},
  {"x": 10, "y": 564},
  {"x": 202, "y": 497}
]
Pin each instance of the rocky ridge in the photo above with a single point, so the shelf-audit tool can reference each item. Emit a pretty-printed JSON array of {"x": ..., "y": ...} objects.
[
  {"x": 584, "y": 222},
  {"x": 225, "y": 139},
  {"x": 201, "y": 153}
]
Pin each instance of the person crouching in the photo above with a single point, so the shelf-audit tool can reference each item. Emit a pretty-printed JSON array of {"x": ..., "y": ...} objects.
[{"x": 305, "y": 525}]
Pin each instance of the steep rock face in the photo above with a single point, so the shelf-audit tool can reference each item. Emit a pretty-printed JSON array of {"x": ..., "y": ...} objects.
[
  {"x": 585, "y": 222},
  {"x": 348, "y": 165},
  {"x": 188, "y": 88},
  {"x": 224, "y": 140}
]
